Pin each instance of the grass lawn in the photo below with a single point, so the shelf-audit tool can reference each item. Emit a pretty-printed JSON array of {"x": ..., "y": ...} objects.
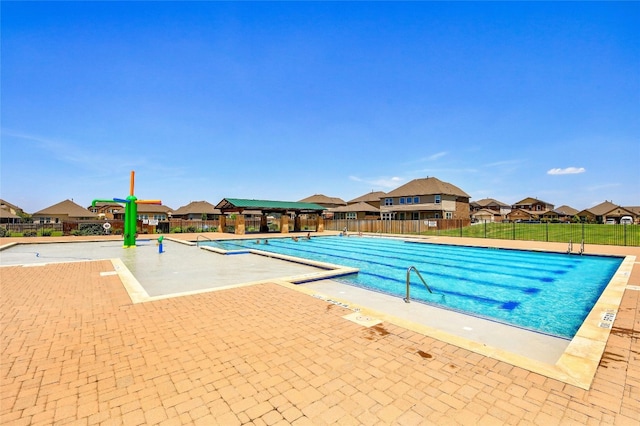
[{"x": 623, "y": 235}]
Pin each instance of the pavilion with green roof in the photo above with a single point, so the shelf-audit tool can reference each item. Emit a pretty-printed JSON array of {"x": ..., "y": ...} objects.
[{"x": 284, "y": 208}]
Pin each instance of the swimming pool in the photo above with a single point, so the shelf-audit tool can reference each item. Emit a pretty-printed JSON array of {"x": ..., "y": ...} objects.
[{"x": 546, "y": 292}]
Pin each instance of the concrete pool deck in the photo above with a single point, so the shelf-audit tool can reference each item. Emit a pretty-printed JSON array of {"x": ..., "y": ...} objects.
[{"x": 76, "y": 349}]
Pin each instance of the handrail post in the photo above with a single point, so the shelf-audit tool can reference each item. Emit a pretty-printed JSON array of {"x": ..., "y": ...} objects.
[{"x": 408, "y": 298}]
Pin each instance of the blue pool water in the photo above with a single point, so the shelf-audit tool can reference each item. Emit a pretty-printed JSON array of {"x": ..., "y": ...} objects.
[{"x": 547, "y": 292}]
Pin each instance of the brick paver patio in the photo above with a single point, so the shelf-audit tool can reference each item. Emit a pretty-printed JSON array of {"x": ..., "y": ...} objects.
[{"x": 75, "y": 350}]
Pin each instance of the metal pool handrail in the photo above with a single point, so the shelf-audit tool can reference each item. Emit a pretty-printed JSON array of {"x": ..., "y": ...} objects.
[
  {"x": 408, "y": 298},
  {"x": 570, "y": 248},
  {"x": 198, "y": 239}
]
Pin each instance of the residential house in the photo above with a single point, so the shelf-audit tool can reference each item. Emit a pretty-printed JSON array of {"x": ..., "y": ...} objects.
[
  {"x": 324, "y": 201},
  {"x": 10, "y": 213},
  {"x": 366, "y": 206},
  {"x": 329, "y": 202},
  {"x": 196, "y": 210},
  {"x": 529, "y": 209},
  {"x": 360, "y": 210},
  {"x": 485, "y": 215},
  {"x": 481, "y": 209},
  {"x": 106, "y": 210},
  {"x": 607, "y": 210},
  {"x": 560, "y": 214},
  {"x": 425, "y": 198},
  {"x": 64, "y": 211}
]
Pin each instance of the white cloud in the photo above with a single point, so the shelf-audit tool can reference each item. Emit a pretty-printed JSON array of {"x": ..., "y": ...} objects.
[
  {"x": 567, "y": 171},
  {"x": 382, "y": 182},
  {"x": 437, "y": 155}
]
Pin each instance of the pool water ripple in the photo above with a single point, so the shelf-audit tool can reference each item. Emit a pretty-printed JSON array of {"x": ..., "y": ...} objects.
[{"x": 547, "y": 292}]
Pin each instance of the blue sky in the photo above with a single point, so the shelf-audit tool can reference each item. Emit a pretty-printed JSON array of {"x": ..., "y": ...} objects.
[{"x": 208, "y": 100}]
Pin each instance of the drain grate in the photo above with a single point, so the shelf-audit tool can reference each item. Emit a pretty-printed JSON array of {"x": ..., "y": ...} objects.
[{"x": 361, "y": 319}]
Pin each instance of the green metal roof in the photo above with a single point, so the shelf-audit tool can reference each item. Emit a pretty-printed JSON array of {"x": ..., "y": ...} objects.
[{"x": 237, "y": 204}]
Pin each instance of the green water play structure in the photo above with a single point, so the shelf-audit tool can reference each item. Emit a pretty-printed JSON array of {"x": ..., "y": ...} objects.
[{"x": 130, "y": 212}]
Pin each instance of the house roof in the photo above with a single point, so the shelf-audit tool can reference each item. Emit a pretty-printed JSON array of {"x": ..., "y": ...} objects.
[
  {"x": 530, "y": 200},
  {"x": 9, "y": 205},
  {"x": 369, "y": 197},
  {"x": 566, "y": 211},
  {"x": 427, "y": 186},
  {"x": 489, "y": 202},
  {"x": 241, "y": 204},
  {"x": 483, "y": 212},
  {"x": 602, "y": 208},
  {"x": 153, "y": 208},
  {"x": 356, "y": 207},
  {"x": 66, "y": 207},
  {"x": 196, "y": 207},
  {"x": 6, "y": 214},
  {"x": 323, "y": 199}
]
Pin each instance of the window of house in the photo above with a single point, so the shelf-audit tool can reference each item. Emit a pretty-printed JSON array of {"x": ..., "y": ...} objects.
[
  {"x": 351, "y": 215},
  {"x": 409, "y": 200},
  {"x": 415, "y": 215},
  {"x": 416, "y": 200},
  {"x": 437, "y": 201},
  {"x": 387, "y": 216},
  {"x": 401, "y": 200},
  {"x": 388, "y": 201},
  {"x": 437, "y": 216},
  {"x": 448, "y": 215}
]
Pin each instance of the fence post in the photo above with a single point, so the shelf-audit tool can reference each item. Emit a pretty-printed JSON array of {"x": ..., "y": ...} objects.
[
  {"x": 546, "y": 231},
  {"x": 485, "y": 228}
]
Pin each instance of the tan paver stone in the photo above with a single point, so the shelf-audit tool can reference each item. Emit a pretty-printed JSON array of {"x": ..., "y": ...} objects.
[{"x": 76, "y": 350}]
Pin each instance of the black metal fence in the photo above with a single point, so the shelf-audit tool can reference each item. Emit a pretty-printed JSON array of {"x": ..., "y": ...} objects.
[{"x": 620, "y": 235}]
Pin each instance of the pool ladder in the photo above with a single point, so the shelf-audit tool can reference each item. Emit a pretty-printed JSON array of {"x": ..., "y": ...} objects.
[
  {"x": 570, "y": 248},
  {"x": 198, "y": 239},
  {"x": 413, "y": 268}
]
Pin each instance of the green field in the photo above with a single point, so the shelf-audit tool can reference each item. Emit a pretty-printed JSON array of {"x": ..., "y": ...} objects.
[{"x": 623, "y": 235}]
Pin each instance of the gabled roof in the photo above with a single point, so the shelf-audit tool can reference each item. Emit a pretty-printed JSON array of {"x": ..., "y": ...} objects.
[
  {"x": 196, "y": 207},
  {"x": 356, "y": 207},
  {"x": 241, "y": 204},
  {"x": 9, "y": 205},
  {"x": 602, "y": 208},
  {"x": 369, "y": 197},
  {"x": 67, "y": 207},
  {"x": 489, "y": 202},
  {"x": 485, "y": 212},
  {"x": 153, "y": 208},
  {"x": 530, "y": 200},
  {"x": 323, "y": 199},
  {"x": 6, "y": 214},
  {"x": 427, "y": 186},
  {"x": 633, "y": 209},
  {"x": 566, "y": 211}
]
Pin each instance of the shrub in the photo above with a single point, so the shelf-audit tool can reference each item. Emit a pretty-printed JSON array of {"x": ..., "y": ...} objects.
[
  {"x": 4, "y": 232},
  {"x": 91, "y": 229},
  {"x": 192, "y": 229},
  {"x": 176, "y": 230},
  {"x": 29, "y": 234},
  {"x": 46, "y": 232}
]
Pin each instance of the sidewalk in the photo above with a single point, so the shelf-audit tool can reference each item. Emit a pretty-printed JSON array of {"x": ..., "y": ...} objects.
[{"x": 76, "y": 350}]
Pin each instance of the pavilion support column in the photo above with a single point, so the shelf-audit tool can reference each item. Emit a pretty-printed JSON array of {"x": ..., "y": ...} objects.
[
  {"x": 320, "y": 224},
  {"x": 264, "y": 226},
  {"x": 240, "y": 227},
  {"x": 222, "y": 223},
  {"x": 296, "y": 224},
  {"x": 284, "y": 224}
]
